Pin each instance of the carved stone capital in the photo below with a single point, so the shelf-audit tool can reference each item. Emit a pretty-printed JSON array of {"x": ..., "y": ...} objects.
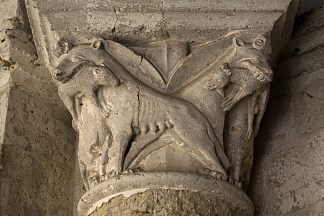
[
  {"x": 167, "y": 109},
  {"x": 135, "y": 118}
]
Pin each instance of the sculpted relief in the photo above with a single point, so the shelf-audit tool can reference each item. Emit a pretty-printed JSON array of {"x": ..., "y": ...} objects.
[{"x": 129, "y": 112}]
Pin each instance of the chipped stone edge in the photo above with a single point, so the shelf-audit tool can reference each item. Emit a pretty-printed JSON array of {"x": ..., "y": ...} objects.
[
  {"x": 134, "y": 183},
  {"x": 106, "y": 199}
]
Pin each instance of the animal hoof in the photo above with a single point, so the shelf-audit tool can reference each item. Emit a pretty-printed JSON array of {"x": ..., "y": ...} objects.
[{"x": 128, "y": 171}]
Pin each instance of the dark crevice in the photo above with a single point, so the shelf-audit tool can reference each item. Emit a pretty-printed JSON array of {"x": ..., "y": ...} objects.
[
  {"x": 308, "y": 95},
  {"x": 23, "y": 12},
  {"x": 116, "y": 19},
  {"x": 129, "y": 145}
]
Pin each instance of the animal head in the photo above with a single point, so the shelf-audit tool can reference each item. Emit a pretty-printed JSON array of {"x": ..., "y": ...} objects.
[
  {"x": 219, "y": 79},
  {"x": 252, "y": 58},
  {"x": 73, "y": 58}
]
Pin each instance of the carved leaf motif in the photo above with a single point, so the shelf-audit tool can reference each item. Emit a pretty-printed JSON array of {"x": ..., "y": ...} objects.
[
  {"x": 197, "y": 63},
  {"x": 187, "y": 70},
  {"x": 137, "y": 65}
]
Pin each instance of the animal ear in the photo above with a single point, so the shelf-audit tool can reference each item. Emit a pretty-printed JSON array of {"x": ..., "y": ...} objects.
[
  {"x": 97, "y": 44},
  {"x": 237, "y": 42}
]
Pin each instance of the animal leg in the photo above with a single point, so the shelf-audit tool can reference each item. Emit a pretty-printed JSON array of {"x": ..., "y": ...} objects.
[
  {"x": 135, "y": 153},
  {"x": 230, "y": 96},
  {"x": 94, "y": 100},
  {"x": 121, "y": 141},
  {"x": 204, "y": 156},
  {"x": 83, "y": 169},
  {"x": 263, "y": 100},
  {"x": 104, "y": 156},
  {"x": 251, "y": 109},
  {"x": 77, "y": 108},
  {"x": 237, "y": 172},
  {"x": 230, "y": 102}
]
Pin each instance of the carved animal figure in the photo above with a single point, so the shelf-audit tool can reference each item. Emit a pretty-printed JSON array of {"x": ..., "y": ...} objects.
[
  {"x": 248, "y": 69},
  {"x": 219, "y": 80},
  {"x": 136, "y": 109},
  {"x": 95, "y": 77},
  {"x": 249, "y": 73},
  {"x": 74, "y": 87}
]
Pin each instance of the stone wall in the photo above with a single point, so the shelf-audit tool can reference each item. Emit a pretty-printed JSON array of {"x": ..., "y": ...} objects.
[
  {"x": 288, "y": 169},
  {"x": 37, "y": 141}
]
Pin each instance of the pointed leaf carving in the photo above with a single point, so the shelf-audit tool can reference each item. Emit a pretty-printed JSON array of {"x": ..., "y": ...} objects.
[
  {"x": 135, "y": 64},
  {"x": 197, "y": 63}
]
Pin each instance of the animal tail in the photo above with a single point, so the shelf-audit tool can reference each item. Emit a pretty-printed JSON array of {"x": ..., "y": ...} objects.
[{"x": 219, "y": 150}]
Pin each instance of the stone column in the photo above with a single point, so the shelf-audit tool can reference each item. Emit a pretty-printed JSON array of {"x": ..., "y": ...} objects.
[
  {"x": 292, "y": 158},
  {"x": 166, "y": 97}
]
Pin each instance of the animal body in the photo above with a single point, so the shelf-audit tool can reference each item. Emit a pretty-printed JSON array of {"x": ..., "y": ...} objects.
[
  {"x": 249, "y": 74},
  {"x": 136, "y": 109},
  {"x": 84, "y": 81},
  {"x": 248, "y": 70},
  {"x": 95, "y": 77}
]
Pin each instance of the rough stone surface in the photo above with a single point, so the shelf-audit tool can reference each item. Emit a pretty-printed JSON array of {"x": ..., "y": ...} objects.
[
  {"x": 308, "y": 5},
  {"x": 39, "y": 174},
  {"x": 140, "y": 22},
  {"x": 124, "y": 109},
  {"x": 174, "y": 183},
  {"x": 288, "y": 172},
  {"x": 36, "y": 141},
  {"x": 309, "y": 21},
  {"x": 166, "y": 202}
]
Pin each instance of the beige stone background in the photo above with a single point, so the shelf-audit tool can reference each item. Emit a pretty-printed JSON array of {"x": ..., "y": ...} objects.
[
  {"x": 288, "y": 170},
  {"x": 38, "y": 169}
]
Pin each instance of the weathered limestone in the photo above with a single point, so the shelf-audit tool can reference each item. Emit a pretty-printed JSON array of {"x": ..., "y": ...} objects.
[
  {"x": 166, "y": 193},
  {"x": 136, "y": 23},
  {"x": 37, "y": 151},
  {"x": 160, "y": 89},
  {"x": 288, "y": 171},
  {"x": 166, "y": 98},
  {"x": 135, "y": 117}
]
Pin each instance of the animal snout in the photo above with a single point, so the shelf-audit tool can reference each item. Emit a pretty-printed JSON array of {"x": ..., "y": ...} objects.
[{"x": 57, "y": 72}]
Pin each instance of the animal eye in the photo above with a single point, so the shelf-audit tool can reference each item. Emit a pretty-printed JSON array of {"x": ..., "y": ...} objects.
[
  {"x": 257, "y": 60},
  {"x": 258, "y": 43}
]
